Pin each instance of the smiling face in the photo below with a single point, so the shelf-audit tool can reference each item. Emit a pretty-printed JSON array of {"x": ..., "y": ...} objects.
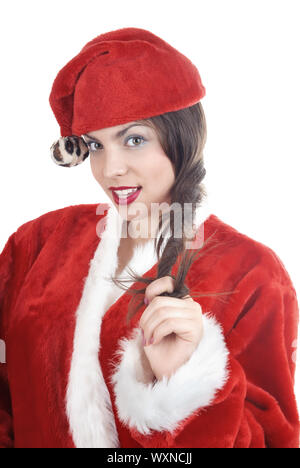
[{"x": 131, "y": 155}]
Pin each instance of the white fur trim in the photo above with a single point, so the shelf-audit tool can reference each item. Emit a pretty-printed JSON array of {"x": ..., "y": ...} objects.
[
  {"x": 88, "y": 404},
  {"x": 88, "y": 401},
  {"x": 166, "y": 403}
]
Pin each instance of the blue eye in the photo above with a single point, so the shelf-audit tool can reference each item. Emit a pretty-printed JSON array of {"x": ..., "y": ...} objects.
[
  {"x": 89, "y": 143},
  {"x": 136, "y": 137},
  {"x": 98, "y": 145}
]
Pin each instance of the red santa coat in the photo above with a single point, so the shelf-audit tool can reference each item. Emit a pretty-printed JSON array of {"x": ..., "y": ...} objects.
[{"x": 72, "y": 371}]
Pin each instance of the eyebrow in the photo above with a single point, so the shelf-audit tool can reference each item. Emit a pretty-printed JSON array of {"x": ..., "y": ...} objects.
[{"x": 118, "y": 134}]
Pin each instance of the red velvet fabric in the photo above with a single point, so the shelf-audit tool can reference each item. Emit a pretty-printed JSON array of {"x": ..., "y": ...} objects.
[
  {"x": 42, "y": 271},
  {"x": 121, "y": 76}
]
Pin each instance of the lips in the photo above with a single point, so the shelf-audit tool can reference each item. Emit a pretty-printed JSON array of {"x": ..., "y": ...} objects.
[
  {"x": 128, "y": 199},
  {"x": 123, "y": 187}
]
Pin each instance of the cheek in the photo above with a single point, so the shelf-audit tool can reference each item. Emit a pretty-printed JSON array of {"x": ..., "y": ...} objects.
[
  {"x": 92, "y": 165},
  {"x": 161, "y": 171},
  {"x": 95, "y": 168}
]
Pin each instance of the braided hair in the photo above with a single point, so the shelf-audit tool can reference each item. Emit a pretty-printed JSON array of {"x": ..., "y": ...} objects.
[{"x": 182, "y": 135}]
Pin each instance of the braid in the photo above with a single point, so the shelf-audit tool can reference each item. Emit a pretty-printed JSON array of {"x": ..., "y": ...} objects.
[{"x": 182, "y": 135}]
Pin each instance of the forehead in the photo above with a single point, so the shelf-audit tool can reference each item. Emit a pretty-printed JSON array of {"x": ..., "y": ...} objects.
[{"x": 117, "y": 130}]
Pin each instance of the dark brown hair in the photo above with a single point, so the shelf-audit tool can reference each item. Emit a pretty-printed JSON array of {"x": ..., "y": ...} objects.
[{"x": 182, "y": 135}]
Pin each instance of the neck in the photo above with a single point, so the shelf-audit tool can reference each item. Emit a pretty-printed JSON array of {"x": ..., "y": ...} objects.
[{"x": 140, "y": 231}]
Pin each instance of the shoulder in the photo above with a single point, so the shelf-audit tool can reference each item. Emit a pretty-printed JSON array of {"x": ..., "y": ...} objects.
[
  {"x": 33, "y": 234},
  {"x": 248, "y": 257}
]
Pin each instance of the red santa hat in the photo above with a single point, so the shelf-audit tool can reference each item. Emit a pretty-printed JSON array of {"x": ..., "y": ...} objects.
[{"x": 120, "y": 76}]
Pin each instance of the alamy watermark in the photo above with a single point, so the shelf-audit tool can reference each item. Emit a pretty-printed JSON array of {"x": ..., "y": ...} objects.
[
  {"x": 294, "y": 355},
  {"x": 144, "y": 224},
  {"x": 2, "y": 352}
]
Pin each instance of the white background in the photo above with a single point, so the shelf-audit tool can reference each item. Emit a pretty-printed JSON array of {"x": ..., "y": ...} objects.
[{"x": 247, "y": 53}]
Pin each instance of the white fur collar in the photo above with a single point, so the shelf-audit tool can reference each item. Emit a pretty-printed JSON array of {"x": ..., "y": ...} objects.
[{"x": 88, "y": 404}]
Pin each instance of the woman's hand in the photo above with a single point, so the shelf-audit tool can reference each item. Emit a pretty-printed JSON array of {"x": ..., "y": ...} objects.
[{"x": 174, "y": 325}]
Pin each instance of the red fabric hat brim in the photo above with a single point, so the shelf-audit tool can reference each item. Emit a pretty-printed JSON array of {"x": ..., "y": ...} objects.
[{"x": 122, "y": 76}]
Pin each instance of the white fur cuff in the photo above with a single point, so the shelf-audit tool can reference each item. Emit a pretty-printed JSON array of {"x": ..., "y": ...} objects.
[{"x": 166, "y": 403}]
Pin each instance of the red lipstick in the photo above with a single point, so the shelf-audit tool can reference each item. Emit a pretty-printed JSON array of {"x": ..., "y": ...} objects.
[
  {"x": 125, "y": 200},
  {"x": 122, "y": 187}
]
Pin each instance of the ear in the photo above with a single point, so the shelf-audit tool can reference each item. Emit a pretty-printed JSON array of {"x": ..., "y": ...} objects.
[{"x": 69, "y": 151}]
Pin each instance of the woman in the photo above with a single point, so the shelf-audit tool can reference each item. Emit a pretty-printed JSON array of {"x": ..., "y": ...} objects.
[{"x": 205, "y": 358}]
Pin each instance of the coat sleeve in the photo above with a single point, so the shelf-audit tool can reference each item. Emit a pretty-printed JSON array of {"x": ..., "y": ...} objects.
[
  {"x": 7, "y": 266},
  {"x": 19, "y": 253},
  {"x": 234, "y": 392}
]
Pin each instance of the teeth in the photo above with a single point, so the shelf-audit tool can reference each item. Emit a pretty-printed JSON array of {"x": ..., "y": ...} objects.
[{"x": 125, "y": 193}]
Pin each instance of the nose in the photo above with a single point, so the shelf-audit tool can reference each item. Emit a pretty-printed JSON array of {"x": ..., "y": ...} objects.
[{"x": 114, "y": 164}]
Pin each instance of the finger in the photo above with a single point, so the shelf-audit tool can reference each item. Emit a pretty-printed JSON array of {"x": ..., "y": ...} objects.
[
  {"x": 164, "y": 301},
  {"x": 183, "y": 328},
  {"x": 162, "y": 314},
  {"x": 188, "y": 298},
  {"x": 159, "y": 286}
]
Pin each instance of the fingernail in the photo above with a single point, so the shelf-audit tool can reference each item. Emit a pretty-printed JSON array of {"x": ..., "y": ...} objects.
[{"x": 146, "y": 301}]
